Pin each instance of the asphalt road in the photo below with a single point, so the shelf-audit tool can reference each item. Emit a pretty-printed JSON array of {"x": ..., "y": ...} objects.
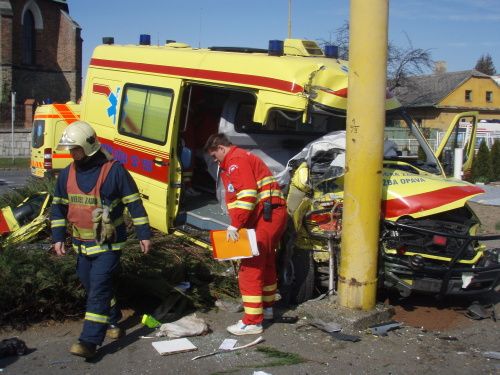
[{"x": 12, "y": 179}]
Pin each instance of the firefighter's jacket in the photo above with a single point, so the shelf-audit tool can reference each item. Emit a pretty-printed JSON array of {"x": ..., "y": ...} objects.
[
  {"x": 117, "y": 191},
  {"x": 248, "y": 182}
]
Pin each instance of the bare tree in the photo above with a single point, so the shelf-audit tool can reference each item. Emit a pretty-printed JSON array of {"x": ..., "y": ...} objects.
[{"x": 402, "y": 62}]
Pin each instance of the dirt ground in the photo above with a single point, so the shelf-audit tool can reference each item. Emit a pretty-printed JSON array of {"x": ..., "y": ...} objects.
[{"x": 434, "y": 336}]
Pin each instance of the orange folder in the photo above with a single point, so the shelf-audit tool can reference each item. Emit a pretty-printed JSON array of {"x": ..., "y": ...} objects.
[{"x": 245, "y": 247}]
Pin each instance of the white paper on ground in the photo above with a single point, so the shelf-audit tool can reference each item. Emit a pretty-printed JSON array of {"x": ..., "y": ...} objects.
[
  {"x": 228, "y": 344},
  {"x": 173, "y": 346}
]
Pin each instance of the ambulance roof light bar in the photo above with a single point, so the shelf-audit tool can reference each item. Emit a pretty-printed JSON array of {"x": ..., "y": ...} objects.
[
  {"x": 108, "y": 40},
  {"x": 145, "y": 40},
  {"x": 332, "y": 51},
  {"x": 276, "y": 48}
]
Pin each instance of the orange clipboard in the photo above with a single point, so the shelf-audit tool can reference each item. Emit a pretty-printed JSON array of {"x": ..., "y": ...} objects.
[{"x": 245, "y": 247}]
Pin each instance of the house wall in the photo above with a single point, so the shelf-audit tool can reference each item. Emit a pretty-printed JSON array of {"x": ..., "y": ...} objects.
[
  {"x": 478, "y": 87},
  {"x": 441, "y": 116}
]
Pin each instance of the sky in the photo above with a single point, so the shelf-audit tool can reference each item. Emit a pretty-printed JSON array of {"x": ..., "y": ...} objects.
[{"x": 455, "y": 31}]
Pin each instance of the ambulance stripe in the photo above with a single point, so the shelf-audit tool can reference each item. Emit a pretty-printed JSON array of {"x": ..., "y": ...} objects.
[
  {"x": 38, "y": 117},
  {"x": 238, "y": 78},
  {"x": 101, "y": 89},
  {"x": 66, "y": 113},
  {"x": 61, "y": 156},
  {"x": 148, "y": 150},
  {"x": 427, "y": 201}
]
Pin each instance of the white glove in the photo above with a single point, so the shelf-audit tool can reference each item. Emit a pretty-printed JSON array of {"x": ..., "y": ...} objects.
[{"x": 232, "y": 234}]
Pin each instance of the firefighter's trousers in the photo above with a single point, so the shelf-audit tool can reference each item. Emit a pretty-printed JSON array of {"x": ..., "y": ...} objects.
[
  {"x": 96, "y": 274},
  {"x": 257, "y": 275}
]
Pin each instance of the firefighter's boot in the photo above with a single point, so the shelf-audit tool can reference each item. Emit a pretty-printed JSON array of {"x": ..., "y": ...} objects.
[
  {"x": 83, "y": 349},
  {"x": 114, "y": 332}
]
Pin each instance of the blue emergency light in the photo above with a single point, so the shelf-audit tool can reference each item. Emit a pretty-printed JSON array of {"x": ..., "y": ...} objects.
[
  {"x": 331, "y": 51},
  {"x": 275, "y": 48},
  {"x": 145, "y": 40}
]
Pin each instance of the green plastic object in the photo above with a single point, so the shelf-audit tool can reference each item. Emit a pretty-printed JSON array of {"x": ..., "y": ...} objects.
[{"x": 149, "y": 321}]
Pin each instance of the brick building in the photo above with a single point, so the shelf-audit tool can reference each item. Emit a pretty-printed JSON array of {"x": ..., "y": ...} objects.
[{"x": 40, "y": 54}]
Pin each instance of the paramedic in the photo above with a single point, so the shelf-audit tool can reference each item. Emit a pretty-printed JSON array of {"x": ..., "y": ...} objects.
[
  {"x": 90, "y": 196},
  {"x": 254, "y": 201}
]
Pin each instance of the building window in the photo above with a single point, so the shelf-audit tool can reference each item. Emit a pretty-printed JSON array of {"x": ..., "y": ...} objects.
[
  {"x": 468, "y": 95},
  {"x": 29, "y": 37},
  {"x": 489, "y": 96}
]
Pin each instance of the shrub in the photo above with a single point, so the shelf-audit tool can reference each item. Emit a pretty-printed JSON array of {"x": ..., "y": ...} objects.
[
  {"x": 495, "y": 160},
  {"x": 481, "y": 166}
]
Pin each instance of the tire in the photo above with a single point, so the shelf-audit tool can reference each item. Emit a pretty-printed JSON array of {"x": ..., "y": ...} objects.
[{"x": 296, "y": 275}]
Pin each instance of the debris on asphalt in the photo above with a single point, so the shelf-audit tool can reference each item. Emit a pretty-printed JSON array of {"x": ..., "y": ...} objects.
[
  {"x": 476, "y": 311},
  {"x": 326, "y": 327},
  {"x": 189, "y": 325},
  {"x": 229, "y": 306},
  {"x": 218, "y": 351},
  {"x": 345, "y": 337},
  {"x": 382, "y": 328},
  {"x": 491, "y": 355},
  {"x": 12, "y": 347},
  {"x": 174, "y": 346}
]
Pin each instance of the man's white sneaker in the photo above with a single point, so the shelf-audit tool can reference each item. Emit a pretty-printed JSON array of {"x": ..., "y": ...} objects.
[
  {"x": 268, "y": 313},
  {"x": 240, "y": 329}
]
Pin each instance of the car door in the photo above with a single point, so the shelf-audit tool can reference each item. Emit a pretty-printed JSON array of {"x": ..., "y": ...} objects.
[{"x": 460, "y": 134}]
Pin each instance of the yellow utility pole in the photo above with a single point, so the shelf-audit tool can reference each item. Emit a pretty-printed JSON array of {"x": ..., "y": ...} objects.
[{"x": 364, "y": 153}]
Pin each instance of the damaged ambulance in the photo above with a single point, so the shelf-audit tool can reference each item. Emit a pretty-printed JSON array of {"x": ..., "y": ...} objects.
[{"x": 153, "y": 108}]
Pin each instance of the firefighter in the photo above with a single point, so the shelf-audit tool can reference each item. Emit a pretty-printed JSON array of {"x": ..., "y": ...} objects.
[
  {"x": 90, "y": 196},
  {"x": 254, "y": 201}
]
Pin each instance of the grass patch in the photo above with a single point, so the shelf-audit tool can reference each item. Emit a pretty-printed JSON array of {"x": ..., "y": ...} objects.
[
  {"x": 17, "y": 163},
  {"x": 277, "y": 358}
]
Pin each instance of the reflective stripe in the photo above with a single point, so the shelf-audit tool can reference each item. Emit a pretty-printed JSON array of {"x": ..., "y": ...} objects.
[
  {"x": 131, "y": 198},
  {"x": 82, "y": 233},
  {"x": 58, "y": 223},
  {"x": 59, "y": 200},
  {"x": 265, "y": 181},
  {"x": 270, "y": 193},
  {"x": 97, "y": 249},
  {"x": 268, "y": 298},
  {"x": 252, "y": 193},
  {"x": 270, "y": 288},
  {"x": 253, "y": 299},
  {"x": 140, "y": 220},
  {"x": 84, "y": 200},
  {"x": 115, "y": 203},
  {"x": 97, "y": 318},
  {"x": 241, "y": 204},
  {"x": 254, "y": 310}
]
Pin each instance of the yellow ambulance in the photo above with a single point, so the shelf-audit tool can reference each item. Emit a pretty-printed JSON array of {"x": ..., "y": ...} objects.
[
  {"x": 48, "y": 125},
  {"x": 153, "y": 108}
]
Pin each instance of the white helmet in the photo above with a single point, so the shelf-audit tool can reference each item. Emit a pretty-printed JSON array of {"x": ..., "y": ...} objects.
[{"x": 79, "y": 133}]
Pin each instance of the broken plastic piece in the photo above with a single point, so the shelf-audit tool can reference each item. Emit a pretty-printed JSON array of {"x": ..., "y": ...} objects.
[
  {"x": 491, "y": 355},
  {"x": 326, "y": 327},
  {"x": 254, "y": 342},
  {"x": 345, "y": 337},
  {"x": 382, "y": 328}
]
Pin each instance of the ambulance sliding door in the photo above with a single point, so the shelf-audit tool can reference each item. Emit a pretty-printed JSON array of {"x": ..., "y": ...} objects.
[{"x": 143, "y": 146}]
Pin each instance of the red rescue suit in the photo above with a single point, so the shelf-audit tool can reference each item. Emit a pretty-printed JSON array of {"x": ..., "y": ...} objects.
[{"x": 249, "y": 183}]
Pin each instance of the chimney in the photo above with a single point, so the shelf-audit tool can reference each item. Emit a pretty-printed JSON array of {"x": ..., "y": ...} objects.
[{"x": 440, "y": 67}]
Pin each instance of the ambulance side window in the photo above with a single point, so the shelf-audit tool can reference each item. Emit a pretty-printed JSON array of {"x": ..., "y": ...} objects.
[{"x": 145, "y": 112}]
